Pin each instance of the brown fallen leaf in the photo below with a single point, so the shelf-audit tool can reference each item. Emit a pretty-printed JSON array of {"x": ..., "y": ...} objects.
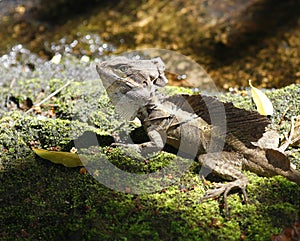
[{"x": 288, "y": 234}]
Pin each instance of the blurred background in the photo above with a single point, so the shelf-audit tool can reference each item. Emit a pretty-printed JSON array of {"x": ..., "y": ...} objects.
[{"x": 233, "y": 40}]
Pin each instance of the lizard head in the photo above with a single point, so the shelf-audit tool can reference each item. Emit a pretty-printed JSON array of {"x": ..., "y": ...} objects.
[
  {"x": 138, "y": 72},
  {"x": 130, "y": 84}
]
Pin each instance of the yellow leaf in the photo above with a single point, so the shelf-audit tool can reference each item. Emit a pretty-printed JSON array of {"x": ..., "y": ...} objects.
[
  {"x": 67, "y": 159},
  {"x": 262, "y": 102},
  {"x": 56, "y": 59}
]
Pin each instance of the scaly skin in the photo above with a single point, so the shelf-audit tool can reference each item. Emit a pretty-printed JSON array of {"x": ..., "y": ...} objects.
[{"x": 222, "y": 136}]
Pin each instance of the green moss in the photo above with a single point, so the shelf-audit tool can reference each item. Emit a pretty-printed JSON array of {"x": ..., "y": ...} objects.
[{"x": 60, "y": 203}]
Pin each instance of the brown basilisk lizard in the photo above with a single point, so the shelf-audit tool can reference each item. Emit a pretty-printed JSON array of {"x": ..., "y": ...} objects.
[{"x": 224, "y": 138}]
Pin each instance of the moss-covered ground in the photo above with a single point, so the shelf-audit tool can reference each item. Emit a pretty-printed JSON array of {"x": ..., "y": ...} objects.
[{"x": 43, "y": 201}]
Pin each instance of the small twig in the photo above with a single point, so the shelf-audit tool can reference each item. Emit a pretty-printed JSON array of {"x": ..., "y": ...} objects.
[
  {"x": 50, "y": 96},
  {"x": 290, "y": 152},
  {"x": 289, "y": 139},
  {"x": 295, "y": 140},
  {"x": 283, "y": 115},
  {"x": 12, "y": 83}
]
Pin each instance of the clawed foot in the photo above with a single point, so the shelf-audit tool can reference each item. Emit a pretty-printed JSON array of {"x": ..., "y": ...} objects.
[{"x": 225, "y": 188}]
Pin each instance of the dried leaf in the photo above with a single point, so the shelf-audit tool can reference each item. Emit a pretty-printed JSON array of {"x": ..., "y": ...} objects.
[
  {"x": 290, "y": 233},
  {"x": 67, "y": 159},
  {"x": 262, "y": 102},
  {"x": 269, "y": 140}
]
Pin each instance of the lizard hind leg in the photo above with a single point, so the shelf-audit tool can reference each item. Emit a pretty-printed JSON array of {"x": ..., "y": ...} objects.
[{"x": 228, "y": 166}]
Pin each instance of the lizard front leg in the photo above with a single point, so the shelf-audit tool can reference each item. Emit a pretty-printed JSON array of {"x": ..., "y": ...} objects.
[
  {"x": 228, "y": 166},
  {"x": 157, "y": 141}
]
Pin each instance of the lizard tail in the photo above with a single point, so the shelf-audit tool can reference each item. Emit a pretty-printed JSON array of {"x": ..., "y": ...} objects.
[
  {"x": 293, "y": 176},
  {"x": 282, "y": 165}
]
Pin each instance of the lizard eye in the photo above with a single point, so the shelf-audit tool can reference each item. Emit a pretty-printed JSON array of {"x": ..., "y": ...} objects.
[{"x": 123, "y": 68}]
